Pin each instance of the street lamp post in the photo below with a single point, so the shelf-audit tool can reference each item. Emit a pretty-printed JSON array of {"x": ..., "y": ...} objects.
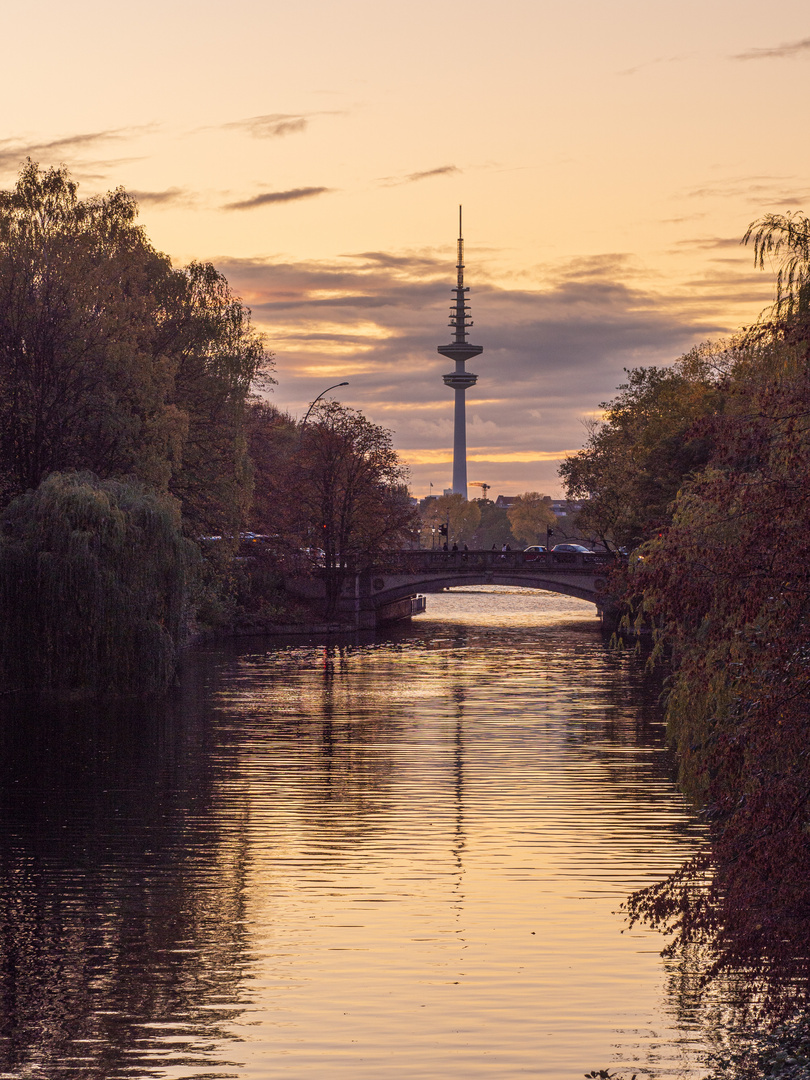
[{"x": 318, "y": 398}]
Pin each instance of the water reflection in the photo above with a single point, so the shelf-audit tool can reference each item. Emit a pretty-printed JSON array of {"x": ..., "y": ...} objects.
[
  {"x": 395, "y": 857},
  {"x": 121, "y": 897}
]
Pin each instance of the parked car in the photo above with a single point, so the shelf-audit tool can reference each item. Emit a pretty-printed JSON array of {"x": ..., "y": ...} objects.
[
  {"x": 536, "y": 551},
  {"x": 578, "y": 549}
]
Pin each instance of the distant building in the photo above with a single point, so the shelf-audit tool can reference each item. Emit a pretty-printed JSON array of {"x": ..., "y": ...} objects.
[
  {"x": 561, "y": 508},
  {"x": 565, "y": 507}
]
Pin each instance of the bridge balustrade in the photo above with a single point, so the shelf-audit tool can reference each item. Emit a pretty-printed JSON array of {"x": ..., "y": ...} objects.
[{"x": 414, "y": 562}]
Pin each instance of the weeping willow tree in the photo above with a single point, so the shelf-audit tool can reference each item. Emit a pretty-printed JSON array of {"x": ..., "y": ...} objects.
[
  {"x": 95, "y": 577},
  {"x": 784, "y": 239}
]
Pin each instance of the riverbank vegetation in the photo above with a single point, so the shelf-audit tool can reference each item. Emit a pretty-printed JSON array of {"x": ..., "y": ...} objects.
[
  {"x": 96, "y": 585},
  {"x": 703, "y": 470},
  {"x": 137, "y": 448}
]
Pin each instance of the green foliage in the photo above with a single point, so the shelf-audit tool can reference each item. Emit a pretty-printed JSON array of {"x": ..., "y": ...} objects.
[
  {"x": 494, "y": 528},
  {"x": 649, "y": 440},
  {"x": 272, "y": 439},
  {"x": 219, "y": 359},
  {"x": 782, "y": 1053},
  {"x": 708, "y": 464},
  {"x": 462, "y": 517},
  {"x": 81, "y": 387},
  {"x": 111, "y": 360},
  {"x": 530, "y": 515},
  {"x": 728, "y": 587},
  {"x": 95, "y": 579}
]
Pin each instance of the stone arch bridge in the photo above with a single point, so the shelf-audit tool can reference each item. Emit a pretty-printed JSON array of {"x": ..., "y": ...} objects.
[{"x": 391, "y": 589}]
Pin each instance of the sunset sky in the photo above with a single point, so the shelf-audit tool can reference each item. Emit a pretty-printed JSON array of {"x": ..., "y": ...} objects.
[{"x": 609, "y": 155}]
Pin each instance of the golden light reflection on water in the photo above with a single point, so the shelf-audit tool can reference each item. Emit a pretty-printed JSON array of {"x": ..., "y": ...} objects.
[
  {"x": 395, "y": 857},
  {"x": 442, "y": 827}
]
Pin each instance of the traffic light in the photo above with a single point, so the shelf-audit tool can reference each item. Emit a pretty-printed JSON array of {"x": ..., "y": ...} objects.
[{"x": 442, "y": 530}]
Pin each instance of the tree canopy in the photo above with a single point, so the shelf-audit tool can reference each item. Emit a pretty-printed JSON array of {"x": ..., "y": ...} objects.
[
  {"x": 530, "y": 516},
  {"x": 648, "y": 441},
  {"x": 95, "y": 585},
  {"x": 461, "y": 517},
  {"x": 785, "y": 240},
  {"x": 124, "y": 383},
  {"x": 706, "y": 465},
  {"x": 333, "y": 488},
  {"x": 114, "y": 361}
]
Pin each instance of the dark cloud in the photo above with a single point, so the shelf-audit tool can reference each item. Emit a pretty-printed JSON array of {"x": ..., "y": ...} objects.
[
  {"x": 609, "y": 266},
  {"x": 443, "y": 170},
  {"x": 778, "y": 52},
  {"x": 171, "y": 196},
  {"x": 407, "y": 264},
  {"x": 555, "y": 350},
  {"x": 759, "y": 191},
  {"x": 651, "y": 63},
  {"x": 411, "y": 178},
  {"x": 14, "y": 151},
  {"x": 270, "y": 197},
  {"x": 710, "y": 243},
  {"x": 277, "y": 125},
  {"x": 273, "y": 125}
]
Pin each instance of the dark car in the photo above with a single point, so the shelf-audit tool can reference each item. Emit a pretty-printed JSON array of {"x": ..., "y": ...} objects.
[{"x": 577, "y": 549}]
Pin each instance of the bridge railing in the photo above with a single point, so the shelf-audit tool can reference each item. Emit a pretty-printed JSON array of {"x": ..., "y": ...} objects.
[{"x": 415, "y": 562}]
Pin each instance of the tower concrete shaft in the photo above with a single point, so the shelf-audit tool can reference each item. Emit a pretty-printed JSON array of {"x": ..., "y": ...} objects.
[{"x": 460, "y": 380}]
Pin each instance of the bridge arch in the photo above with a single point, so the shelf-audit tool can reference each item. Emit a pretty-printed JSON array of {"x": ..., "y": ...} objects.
[
  {"x": 591, "y": 591},
  {"x": 385, "y": 591}
]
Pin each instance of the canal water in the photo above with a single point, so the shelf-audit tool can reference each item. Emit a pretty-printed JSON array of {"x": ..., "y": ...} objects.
[{"x": 399, "y": 857}]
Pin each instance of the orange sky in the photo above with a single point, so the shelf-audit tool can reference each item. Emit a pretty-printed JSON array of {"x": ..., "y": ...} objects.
[{"x": 609, "y": 158}]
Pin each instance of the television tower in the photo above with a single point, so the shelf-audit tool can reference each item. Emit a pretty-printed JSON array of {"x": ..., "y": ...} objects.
[{"x": 460, "y": 380}]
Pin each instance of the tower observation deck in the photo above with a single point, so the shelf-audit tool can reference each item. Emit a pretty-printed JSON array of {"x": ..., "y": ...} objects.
[{"x": 460, "y": 350}]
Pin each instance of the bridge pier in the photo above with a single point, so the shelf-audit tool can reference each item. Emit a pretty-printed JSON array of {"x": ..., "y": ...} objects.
[{"x": 357, "y": 606}]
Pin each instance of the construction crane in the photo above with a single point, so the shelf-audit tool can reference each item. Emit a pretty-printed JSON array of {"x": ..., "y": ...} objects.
[{"x": 484, "y": 487}]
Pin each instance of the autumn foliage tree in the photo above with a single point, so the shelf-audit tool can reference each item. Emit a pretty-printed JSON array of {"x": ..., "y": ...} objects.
[
  {"x": 461, "y": 517},
  {"x": 219, "y": 359},
  {"x": 647, "y": 442},
  {"x": 529, "y": 517},
  {"x": 728, "y": 587},
  {"x": 123, "y": 390},
  {"x": 114, "y": 361},
  {"x": 493, "y": 529},
  {"x": 339, "y": 493},
  {"x": 726, "y": 584},
  {"x": 273, "y": 441}
]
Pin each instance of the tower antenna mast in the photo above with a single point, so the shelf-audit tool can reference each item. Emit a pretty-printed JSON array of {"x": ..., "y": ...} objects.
[{"x": 460, "y": 350}]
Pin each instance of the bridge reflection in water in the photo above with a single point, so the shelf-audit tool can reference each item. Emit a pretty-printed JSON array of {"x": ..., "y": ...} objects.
[{"x": 385, "y": 591}]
